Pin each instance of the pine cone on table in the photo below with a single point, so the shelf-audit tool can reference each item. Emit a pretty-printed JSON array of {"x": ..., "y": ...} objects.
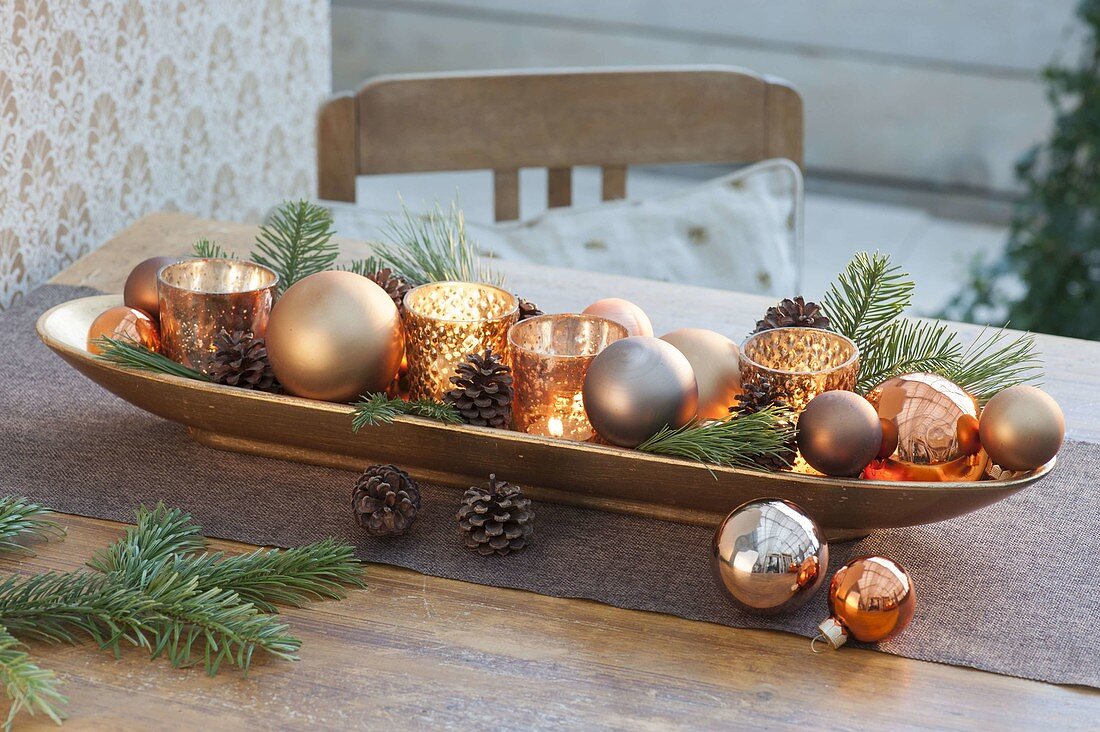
[
  {"x": 528, "y": 309},
  {"x": 385, "y": 500},
  {"x": 483, "y": 390},
  {"x": 496, "y": 520},
  {"x": 241, "y": 360},
  {"x": 793, "y": 313},
  {"x": 394, "y": 284},
  {"x": 755, "y": 397}
]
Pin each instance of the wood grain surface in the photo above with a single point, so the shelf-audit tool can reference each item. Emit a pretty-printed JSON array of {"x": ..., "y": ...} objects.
[{"x": 419, "y": 652}]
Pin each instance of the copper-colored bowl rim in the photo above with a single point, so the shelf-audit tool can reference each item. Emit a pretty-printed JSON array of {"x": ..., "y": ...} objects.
[
  {"x": 495, "y": 319},
  {"x": 274, "y": 276},
  {"x": 817, "y": 331},
  {"x": 559, "y": 316}
]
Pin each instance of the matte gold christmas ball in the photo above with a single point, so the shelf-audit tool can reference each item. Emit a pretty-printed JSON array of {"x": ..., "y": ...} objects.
[
  {"x": 839, "y": 433},
  {"x": 125, "y": 324},
  {"x": 140, "y": 290},
  {"x": 632, "y": 317},
  {"x": 636, "y": 386},
  {"x": 714, "y": 359},
  {"x": 335, "y": 336},
  {"x": 1022, "y": 428},
  {"x": 932, "y": 416},
  {"x": 769, "y": 556}
]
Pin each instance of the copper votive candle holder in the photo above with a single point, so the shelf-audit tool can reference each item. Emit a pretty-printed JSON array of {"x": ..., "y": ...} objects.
[
  {"x": 800, "y": 363},
  {"x": 199, "y": 298},
  {"x": 447, "y": 321},
  {"x": 550, "y": 356}
]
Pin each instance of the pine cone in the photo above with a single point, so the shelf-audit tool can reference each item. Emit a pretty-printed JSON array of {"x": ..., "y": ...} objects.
[
  {"x": 241, "y": 360},
  {"x": 796, "y": 312},
  {"x": 754, "y": 398},
  {"x": 483, "y": 391},
  {"x": 394, "y": 284},
  {"x": 497, "y": 520},
  {"x": 528, "y": 309},
  {"x": 385, "y": 500}
]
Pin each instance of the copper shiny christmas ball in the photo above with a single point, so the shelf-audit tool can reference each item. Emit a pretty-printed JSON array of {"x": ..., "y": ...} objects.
[
  {"x": 714, "y": 359},
  {"x": 872, "y": 598},
  {"x": 839, "y": 433},
  {"x": 769, "y": 556},
  {"x": 632, "y": 317},
  {"x": 140, "y": 290},
  {"x": 636, "y": 386},
  {"x": 126, "y": 324},
  {"x": 926, "y": 410},
  {"x": 335, "y": 336},
  {"x": 1022, "y": 428}
]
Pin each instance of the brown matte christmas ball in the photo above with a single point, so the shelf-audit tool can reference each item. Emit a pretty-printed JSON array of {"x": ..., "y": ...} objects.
[
  {"x": 140, "y": 290},
  {"x": 1022, "y": 428},
  {"x": 624, "y": 312},
  {"x": 839, "y": 433},
  {"x": 636, "y": 386},
  {"x": 334, "y": 336}
]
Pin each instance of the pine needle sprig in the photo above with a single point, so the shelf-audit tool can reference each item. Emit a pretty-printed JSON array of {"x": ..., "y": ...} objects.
[
  {"x": 432, "y": 247},
  {"x": 904, "y": 347},
  {"x": 736, "y": 441},
  {"x": 365, "y": 267},
  {"x": 296, "y": 242},
  {"x": 130, "y": 355},
  {"x": 30, "y": 687},
  {"x": 158, "y": 534},
  {"x": 19, "y": 517},
  {"x": 376, "y": 409},
  {"x": 995, "y": 362},
  {"x": 209, "y": 249},
  {"x": 867, "y": 296}
]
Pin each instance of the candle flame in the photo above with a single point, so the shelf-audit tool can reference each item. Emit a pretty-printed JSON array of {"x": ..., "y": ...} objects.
[{"x": 555, "y": 427}]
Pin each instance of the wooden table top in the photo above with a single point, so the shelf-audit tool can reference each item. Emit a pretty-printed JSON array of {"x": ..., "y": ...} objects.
[{"x": 422, "y": 652}]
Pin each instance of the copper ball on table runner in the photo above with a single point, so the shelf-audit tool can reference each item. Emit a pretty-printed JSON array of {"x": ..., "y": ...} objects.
[
  {"x": 125, "y": 324},
  {"x": 140, "y": 290},
  {"x": 871, "y": 599}
]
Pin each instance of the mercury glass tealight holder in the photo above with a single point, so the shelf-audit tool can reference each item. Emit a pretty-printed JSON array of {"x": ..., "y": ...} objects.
[
  {"x": 550, "y": 357},
  {"x": 447, "y": 321},
  {"x": 199, "y": 298},
  {"x": 800, "y": 363}
]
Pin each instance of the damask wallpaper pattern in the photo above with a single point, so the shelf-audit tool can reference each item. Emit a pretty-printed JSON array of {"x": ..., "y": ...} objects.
[{"x": 111, "y": 109}]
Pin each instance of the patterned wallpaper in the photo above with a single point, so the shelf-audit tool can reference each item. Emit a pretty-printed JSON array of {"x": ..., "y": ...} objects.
[{"x": 111, "y": 109}]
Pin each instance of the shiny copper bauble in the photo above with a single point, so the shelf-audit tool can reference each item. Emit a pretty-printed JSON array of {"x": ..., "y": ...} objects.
[
  {"x": 927, "y": 411},
  {"x": 636, "y": 386},
  {"x": 1022, "y": 428},
  {"x": 140, "y": 290},
  {"x": 622, "y": 311},
  {"x": 335, "y": 336},
  {"x": 961, "y": 470},
  {"x": 872, "y": 598},
  {"x": 769, "y": 556},
  {"x": 126, "y": 324},
  {"x": 839, "y": 433},
  {"x": 714, "y": 359}
]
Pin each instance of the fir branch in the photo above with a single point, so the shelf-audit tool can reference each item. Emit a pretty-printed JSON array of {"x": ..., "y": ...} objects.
[
  {"x": 158, "y": 534},
  {"x": 737, "y": 441},
  {"x": 432, "y": 247},
  {"x": 377, "y": 409},
  {"x": 21, "y": 518},
  {"x": 365, "y": 267},
  {"x": 29, "y": 687},
  {"x": 995, "y": 362},
  {"x": 209, "y": 249},
  {"x": 904, "y": 347},
  {"x": 867, "y": 296},
  {"x": 130, "y": 355},
  {"x": 296, "y": 242}
]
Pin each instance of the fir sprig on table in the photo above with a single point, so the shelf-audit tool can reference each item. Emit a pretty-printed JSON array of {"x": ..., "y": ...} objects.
[
  {"x": 429, "y": 247},
  {"x": 376, "y": 409},
  {"x": 131, "y": 355},
  {"x": 296, "y": 242},
  {"x": 153, "y": 589},
  {"x": 20, "y": 517},
  {"x": 209, "y": 249},
  {"x": 866, "y": 304},
  {"x": 736, "y": 441}
]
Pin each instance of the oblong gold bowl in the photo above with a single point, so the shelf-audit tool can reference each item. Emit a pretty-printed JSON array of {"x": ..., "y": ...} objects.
[{"x": 559, "y": 471}]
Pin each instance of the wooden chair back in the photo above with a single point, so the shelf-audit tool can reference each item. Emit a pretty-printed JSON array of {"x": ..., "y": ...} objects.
[{"x": 556, "y": 120}]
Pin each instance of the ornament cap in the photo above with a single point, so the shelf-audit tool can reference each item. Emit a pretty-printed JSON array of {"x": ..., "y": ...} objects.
[{"x": 833, "y": 632}]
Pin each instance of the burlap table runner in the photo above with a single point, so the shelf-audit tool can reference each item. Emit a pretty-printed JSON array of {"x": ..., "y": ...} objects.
[{"x": 1013, "y": 588}]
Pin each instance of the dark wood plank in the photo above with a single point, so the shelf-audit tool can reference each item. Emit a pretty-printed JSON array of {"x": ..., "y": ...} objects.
[{"x": 337, "y": 139}]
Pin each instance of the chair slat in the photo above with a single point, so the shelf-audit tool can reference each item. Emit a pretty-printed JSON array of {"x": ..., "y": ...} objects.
[
  {"x": 559, "y": 186},
  {"x": 506, "y": 194},
  {"x": 614, "y": 182}
]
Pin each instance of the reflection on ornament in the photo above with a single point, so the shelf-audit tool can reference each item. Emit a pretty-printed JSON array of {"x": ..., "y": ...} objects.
[
  {"x": 961, "y": 470},
  {"x": 926, "y": 410},
  {"x": 714, "y": 358},
  {"x": 870, "y": 598},
  {"x": 769, "y": 556},
  {"x": 1022, "y": 428},
  {"x": 125, "y": 324}
]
